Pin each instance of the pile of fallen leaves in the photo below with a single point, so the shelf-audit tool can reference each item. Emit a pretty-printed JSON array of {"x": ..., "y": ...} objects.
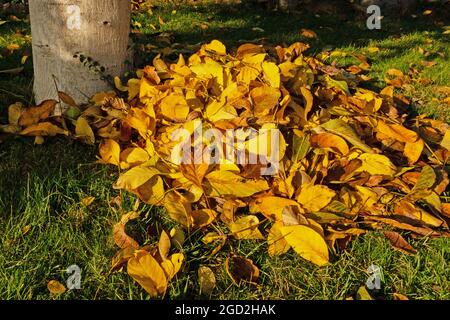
[{"x": 350, "y": 159}]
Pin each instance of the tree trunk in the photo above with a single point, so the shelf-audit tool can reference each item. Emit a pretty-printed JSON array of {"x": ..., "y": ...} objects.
[{"x": 75, "y": 42}]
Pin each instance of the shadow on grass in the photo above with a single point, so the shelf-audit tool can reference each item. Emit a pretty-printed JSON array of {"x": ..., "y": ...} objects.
[
  {"x": 237, "y": 23},
  {"x": 52, "y": 165}
]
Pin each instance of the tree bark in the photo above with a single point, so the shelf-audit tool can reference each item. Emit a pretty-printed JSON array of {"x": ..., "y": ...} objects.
[{"x": 67, "y": 32}]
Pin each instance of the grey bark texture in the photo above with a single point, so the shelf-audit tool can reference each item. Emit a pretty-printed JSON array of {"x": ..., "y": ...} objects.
[{"x": 97, "y": 29}]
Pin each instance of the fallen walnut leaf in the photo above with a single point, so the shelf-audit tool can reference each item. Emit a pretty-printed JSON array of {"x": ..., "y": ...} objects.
[
  {"x": 84, "y": 131},
  {"x": 241, "y": 269},
  {"x": 87, "y": 201},
  {"x": 398, "y": 242},
  {"x": 206, "y": 280},
  {"x": 246, "y": 228},
  {"x": 56, "y": 287},
  {"x": 399, "y": 296},
  {"x": 43, "y": 129},
  {"x": 307, "y": 242},
  {"x": 146, "y": 271},
  {"x": 363, "y": 294},
  {"x": 33, "y": 115},
  {"x": 119, "y": 234}
]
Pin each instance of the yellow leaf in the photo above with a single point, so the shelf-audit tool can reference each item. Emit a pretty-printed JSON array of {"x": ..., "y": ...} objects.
[
  {"x": 133, "y": 88},
  {"x": 152, "y": 192},
  {"x": 13, "y": 47},
  {"x": 121, "y": 238},
  {"x": 119, "y": 85},
  {"x": 100, "y": 98},
  {"x": 337, "y": 84},
  {"x": 135, "y": 177},
  {"x": 307, "y": 33},
  {"x": 87, "y": 201},
  {"x": 34, "y": 114},
  {"x": 363, "y": 294},
  {"x": 164, "y": 245},
  {"x": 177, "y": 237},
  {"x": 309, "y": 99},
  {"x": 246, "y": 228},
  {"x": 315, "y": 197},
  {"x": 251, "y": 67},
  {"x": 203, "y": 217},
  {"x": 376, "y": 164},
  {"x": 174, "y": 107},
  {"x": 248, "y": 49},
  {"x": 330, "y": 141},
  {"x": 177, "y": 261},
  {"x": 132, "y": 157},
  {"x": 266, "y": 145},
  {"x": 264, "y": 100},
  {"x": 209, "y": 70},
  {"x": 272, "y": 207},
  {"x": 413, "y": 151},
  {"x": 343, "y": 129},
  {"x": 24, "y": 59},
  {"x": 56, "y": 287},
  {"x": 110, "y": 152},
  {"x": 172, "y": 265},
  {"x": 141, "y": 121},
  {"x": 14, "y": 112},
  {"x": 146, "y": 271},
  {"x": 258, "y": 29},
  {"x": 395, "y": 73},
  {"x": 194, "y": 172},
  {"x": 43, "y": 129},
  {"x": 217, "y": 47},
  {"x": 211, "y": 237},
  {"x": 227, "y": 183},
  {"x": 397, "y": 131},
  {"x": 409, "y": 210},
  {"x": 178, "y": 208},
  {"x": 271, "y": 74},
  {"x": 10, "y": 129},
  {"x": 26, "y": 229},
  {"x": 446, "y": 140},
  {"x": 219, "y": 110},
  {"x": 307, "y": 242},
  {"x": 83, "y": 130},
  {"x": 276, "y": 241},
  {"x": 368, "y": 197},
  {"x": 427, "y": 179},
  {"x": 39, "y": 140},
  {"x": 399, "y": 296}
]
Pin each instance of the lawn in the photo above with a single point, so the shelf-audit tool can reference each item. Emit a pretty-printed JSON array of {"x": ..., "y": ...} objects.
[{"x": 44, "y": 227}]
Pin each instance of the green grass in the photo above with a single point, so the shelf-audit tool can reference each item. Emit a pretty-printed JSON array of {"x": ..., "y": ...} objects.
[
  {"x": 42, "y": 186},
  {"x": 399, "y": 40}
]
